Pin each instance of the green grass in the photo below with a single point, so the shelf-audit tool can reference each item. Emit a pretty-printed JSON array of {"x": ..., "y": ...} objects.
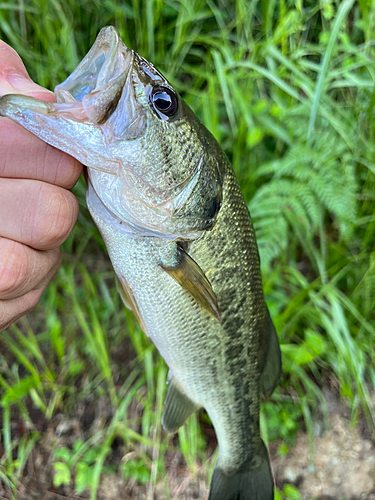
[{"x": 288, "y": 90}]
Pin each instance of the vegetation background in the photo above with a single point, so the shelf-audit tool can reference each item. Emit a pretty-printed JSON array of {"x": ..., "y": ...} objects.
[{"x": 287, "y": 88}]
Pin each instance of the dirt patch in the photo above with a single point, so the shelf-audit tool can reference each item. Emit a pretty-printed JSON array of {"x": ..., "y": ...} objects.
[{"x": 340, "y": 465}]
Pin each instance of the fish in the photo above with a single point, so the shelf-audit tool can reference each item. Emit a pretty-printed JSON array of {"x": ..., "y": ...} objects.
[{"x": 181, "y": 241}]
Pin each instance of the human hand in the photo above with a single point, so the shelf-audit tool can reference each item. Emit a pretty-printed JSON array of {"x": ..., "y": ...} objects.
[{"x": 37, "y": 210}]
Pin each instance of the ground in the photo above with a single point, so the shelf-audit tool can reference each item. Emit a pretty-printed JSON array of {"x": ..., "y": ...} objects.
[{"x": 340, "y": 466}]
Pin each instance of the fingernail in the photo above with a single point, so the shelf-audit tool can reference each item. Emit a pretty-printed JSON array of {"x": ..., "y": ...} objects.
[
  {"x": 25, "y": 86},
  {"x": 14, "y": 78},
  {"x": 18, "y": 84}
]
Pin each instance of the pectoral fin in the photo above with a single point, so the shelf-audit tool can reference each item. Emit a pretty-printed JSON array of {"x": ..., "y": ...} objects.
[
  {"x": 128, "y": 299},
  {"x": 193, "y": 280},
  {"x": 177, "y": 408},
  {"x": 122, "y": 294},
  {"x": 271, "y": 371}
]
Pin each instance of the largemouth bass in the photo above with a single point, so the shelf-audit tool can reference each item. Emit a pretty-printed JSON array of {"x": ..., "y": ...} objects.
[{"x": 180, "y": 237}]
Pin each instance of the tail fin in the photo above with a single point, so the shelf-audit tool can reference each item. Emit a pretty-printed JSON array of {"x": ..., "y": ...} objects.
[{"x": 250, "y": 482}]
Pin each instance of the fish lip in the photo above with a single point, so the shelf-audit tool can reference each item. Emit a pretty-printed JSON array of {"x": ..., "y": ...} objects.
[
  {"x": 101, "y": 86},
  {"x": 105, "y": 61}
]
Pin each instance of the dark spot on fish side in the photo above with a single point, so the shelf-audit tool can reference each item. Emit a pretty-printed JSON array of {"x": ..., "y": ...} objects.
[
  {"x": 245, "y": 389},
  {"x": 238, "y": 364},
  {"x": 214, "y": 370},
  {"x": 238, "y": 304},
  {"x": 234, "y": 350},
  {"x": 235, "y": 322}
]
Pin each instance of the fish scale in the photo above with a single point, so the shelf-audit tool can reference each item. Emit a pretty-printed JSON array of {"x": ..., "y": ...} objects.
[
  {"x": 168, "y": 205},
  {"x": 240, "y": 297},
  {"x": 189, "y": 338}
]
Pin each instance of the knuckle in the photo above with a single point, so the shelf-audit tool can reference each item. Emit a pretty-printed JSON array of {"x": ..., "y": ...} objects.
[
  {"x": 12, "y": 310},
  {"x": 14, "y": 267},
  {"x": 56, "y": 219},
  {"x": 31, "y": 300},
  {"x": 6, "y": 317}
]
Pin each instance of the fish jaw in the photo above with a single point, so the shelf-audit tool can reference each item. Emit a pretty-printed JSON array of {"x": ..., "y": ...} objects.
[
  {"x": 104, "y": 61},
  {"x": 102, "y": 83},
  {"x": 51, "y": 125},
  {"x": 99, "y": 88}
]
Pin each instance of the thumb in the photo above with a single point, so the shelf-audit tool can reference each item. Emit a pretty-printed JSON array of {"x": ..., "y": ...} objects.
[{"x": 14, "y": 78}]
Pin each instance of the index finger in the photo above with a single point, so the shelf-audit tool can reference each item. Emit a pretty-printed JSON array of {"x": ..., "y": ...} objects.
[{"x": 22, "y": 155}]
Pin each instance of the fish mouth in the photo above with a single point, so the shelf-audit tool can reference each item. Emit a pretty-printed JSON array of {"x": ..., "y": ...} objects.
[
  {"x": 96, "y": 107},
  {"x": 94, "y": 89},
  {"x": 97, "y": 68}
]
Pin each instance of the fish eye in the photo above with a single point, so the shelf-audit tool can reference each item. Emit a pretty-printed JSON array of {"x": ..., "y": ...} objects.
[{"x": 164, "y": 102}]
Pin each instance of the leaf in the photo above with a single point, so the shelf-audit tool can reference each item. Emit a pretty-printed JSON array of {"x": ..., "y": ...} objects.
[
  {"x": 254, "y": 136},
  {"x": 83, "y": 477},
  {"x": 300, "y": 355},
  {"x": 314, "y": 342},
  {"x": 63, "y": 454},
  {"x": 77, "y": 445},
  {"x": 18, "y": 391},
  {"x": 282, "y": 449},
  {"x": 278, "y": 495},
  {"x": 62, "y": 474},
  {"x": 136, "y": 469},
  {"x": 291, "y": 492},
  {"x": 307, "y": 183}
]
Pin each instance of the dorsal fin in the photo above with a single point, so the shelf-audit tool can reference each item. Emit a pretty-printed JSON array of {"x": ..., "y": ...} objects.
[{"x": 192, "y": 279}]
